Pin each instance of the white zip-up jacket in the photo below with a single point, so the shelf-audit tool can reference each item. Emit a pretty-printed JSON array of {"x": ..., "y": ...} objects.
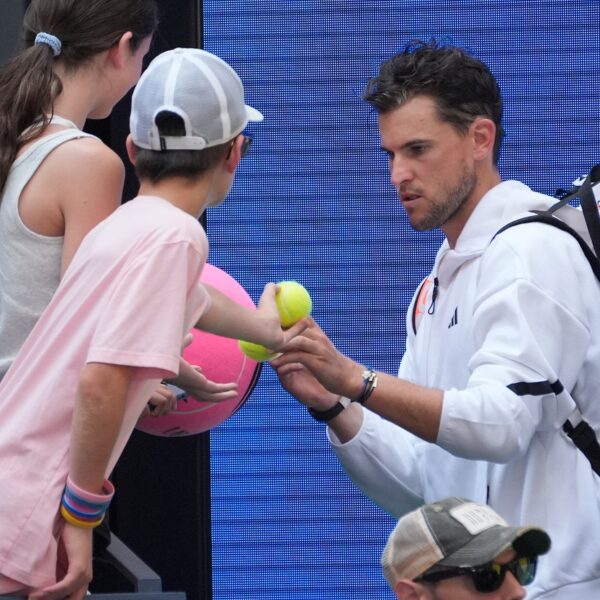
[{"x": 521, "y": 310}]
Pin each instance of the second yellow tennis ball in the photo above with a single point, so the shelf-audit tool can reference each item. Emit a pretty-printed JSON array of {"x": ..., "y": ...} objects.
[
  {"x": 293, "y": 302},
  {"x": 256, "y": 352}
]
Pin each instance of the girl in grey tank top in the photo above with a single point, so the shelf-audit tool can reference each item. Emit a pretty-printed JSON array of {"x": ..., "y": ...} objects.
[
  {"x": 29, "y": 261},
  {"x": 47, "y": 92}
]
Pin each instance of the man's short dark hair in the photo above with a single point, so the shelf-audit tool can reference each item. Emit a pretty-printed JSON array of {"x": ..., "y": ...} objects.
[
  {"x": 154, "y": 165},
  {"x": 462, "y": 87}
]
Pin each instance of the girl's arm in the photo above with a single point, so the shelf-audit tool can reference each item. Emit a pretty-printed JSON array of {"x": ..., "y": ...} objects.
[{"x": 91, "y": 193}]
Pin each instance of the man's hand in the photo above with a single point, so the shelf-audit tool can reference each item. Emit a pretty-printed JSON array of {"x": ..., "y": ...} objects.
[
  {"x": 336, "y": 373},
  {"x": 303, "y": 385},
  {"x": 299, "y": 381},
  {"x": 74, "y": 566}
]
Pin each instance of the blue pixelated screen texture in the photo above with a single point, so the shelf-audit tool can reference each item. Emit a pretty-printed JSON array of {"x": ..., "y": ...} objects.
[{"x": 313, "y": 203}]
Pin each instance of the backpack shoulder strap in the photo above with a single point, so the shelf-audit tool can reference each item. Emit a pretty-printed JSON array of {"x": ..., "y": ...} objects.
[
  {"x": 548, "y": 218},
  {"x": 584, "y": 190},
  {"x": 584, "y": 437},
  {"x": 582, "y": 434}
]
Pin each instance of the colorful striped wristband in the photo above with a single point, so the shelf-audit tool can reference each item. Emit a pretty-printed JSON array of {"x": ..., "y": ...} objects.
[{"x": 85, "y": 509}]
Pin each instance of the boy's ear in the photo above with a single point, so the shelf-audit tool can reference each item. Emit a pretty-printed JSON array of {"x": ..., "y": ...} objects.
[
  {"x": 232, "y": 160},
  {"x": 131, "y": 150},
  {"x": 119, "y": 51}
]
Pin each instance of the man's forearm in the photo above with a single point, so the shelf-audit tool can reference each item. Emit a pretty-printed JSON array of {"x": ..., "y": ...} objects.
[
  {"x": 348, "y": 423},
  {"x": 414, "y": 408}
]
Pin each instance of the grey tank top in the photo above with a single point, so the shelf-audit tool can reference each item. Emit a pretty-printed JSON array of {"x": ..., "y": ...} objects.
[{"x": 29, "y": 262}]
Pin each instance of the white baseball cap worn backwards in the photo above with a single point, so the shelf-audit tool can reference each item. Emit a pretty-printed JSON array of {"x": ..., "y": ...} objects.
[{"x": 199, "y": 87}]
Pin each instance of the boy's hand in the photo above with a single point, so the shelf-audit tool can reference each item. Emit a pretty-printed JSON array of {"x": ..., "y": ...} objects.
[
  {"x": 192, "y": 380},
  {"x": 197, "y": 385},
  {"x": 74, "y": 567},
  {"x": 162, "y": 402},
  {"x": 275, "y": 336}
]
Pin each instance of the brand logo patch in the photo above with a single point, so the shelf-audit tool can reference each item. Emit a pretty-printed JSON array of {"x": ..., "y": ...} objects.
[{"x": 454, "y": 319}]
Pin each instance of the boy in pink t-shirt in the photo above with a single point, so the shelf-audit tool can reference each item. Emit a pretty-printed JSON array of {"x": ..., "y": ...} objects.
[{"x": 115, "y": 327}]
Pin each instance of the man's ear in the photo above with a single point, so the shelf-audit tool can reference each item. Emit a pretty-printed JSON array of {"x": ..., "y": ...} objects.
[
  {"x": 121, "y": 50},
  {"x": 131, "y": 150},
  {"x": 234, "y": 156},
  {"x": 406, "y": 589},
  {"x": 483, "y": 133}
]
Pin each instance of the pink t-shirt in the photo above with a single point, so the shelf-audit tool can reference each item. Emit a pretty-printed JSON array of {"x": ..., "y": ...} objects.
[{"x": 129, "y": 296}]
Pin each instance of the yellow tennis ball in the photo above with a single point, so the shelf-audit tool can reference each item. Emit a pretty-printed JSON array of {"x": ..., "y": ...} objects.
[
  {"x": 256, "y": 352},
  {"x": 293, "y": 302}
]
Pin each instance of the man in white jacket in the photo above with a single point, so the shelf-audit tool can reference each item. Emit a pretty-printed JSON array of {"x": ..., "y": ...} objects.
[{"x": 504, "y": 334}]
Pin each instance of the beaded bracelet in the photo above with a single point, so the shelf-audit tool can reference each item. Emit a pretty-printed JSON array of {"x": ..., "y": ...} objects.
[
  {"x": 84, "y": 509},
  {"x": 369, "y": 385}
]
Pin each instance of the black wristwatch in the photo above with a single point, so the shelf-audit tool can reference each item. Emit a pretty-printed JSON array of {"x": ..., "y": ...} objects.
[{"x": 323, "y": 416}]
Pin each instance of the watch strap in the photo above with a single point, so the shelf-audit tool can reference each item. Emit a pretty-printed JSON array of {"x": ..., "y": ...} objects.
[{"x": 323, "y": 416}]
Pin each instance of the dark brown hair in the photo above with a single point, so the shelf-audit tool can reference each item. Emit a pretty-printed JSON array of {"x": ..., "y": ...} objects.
[
  {"x": 462, "y": 87},
  {"x": 28, "y": 83},
  {"x": 155, "y": 165}
]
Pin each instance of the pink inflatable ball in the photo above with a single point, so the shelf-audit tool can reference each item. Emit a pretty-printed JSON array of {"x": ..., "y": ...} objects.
[{"x": 221, "y": 360}]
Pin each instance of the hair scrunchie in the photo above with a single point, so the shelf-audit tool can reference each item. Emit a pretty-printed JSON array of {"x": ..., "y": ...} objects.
[{"x": 50, "y": 40}]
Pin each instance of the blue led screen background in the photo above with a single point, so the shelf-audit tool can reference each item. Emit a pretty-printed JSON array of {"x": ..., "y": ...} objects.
[{"x": 313, "y": 203}]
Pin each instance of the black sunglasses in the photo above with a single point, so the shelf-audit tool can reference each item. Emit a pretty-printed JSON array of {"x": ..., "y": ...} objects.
[
  {"x": 489, "y": 577},
  {"x": 245, "y": 146}
]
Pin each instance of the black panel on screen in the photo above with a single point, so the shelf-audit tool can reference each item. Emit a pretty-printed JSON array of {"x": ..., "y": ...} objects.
[
  {"x": 162, "y": 508},
  {"x": 10, "y": 27}
]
